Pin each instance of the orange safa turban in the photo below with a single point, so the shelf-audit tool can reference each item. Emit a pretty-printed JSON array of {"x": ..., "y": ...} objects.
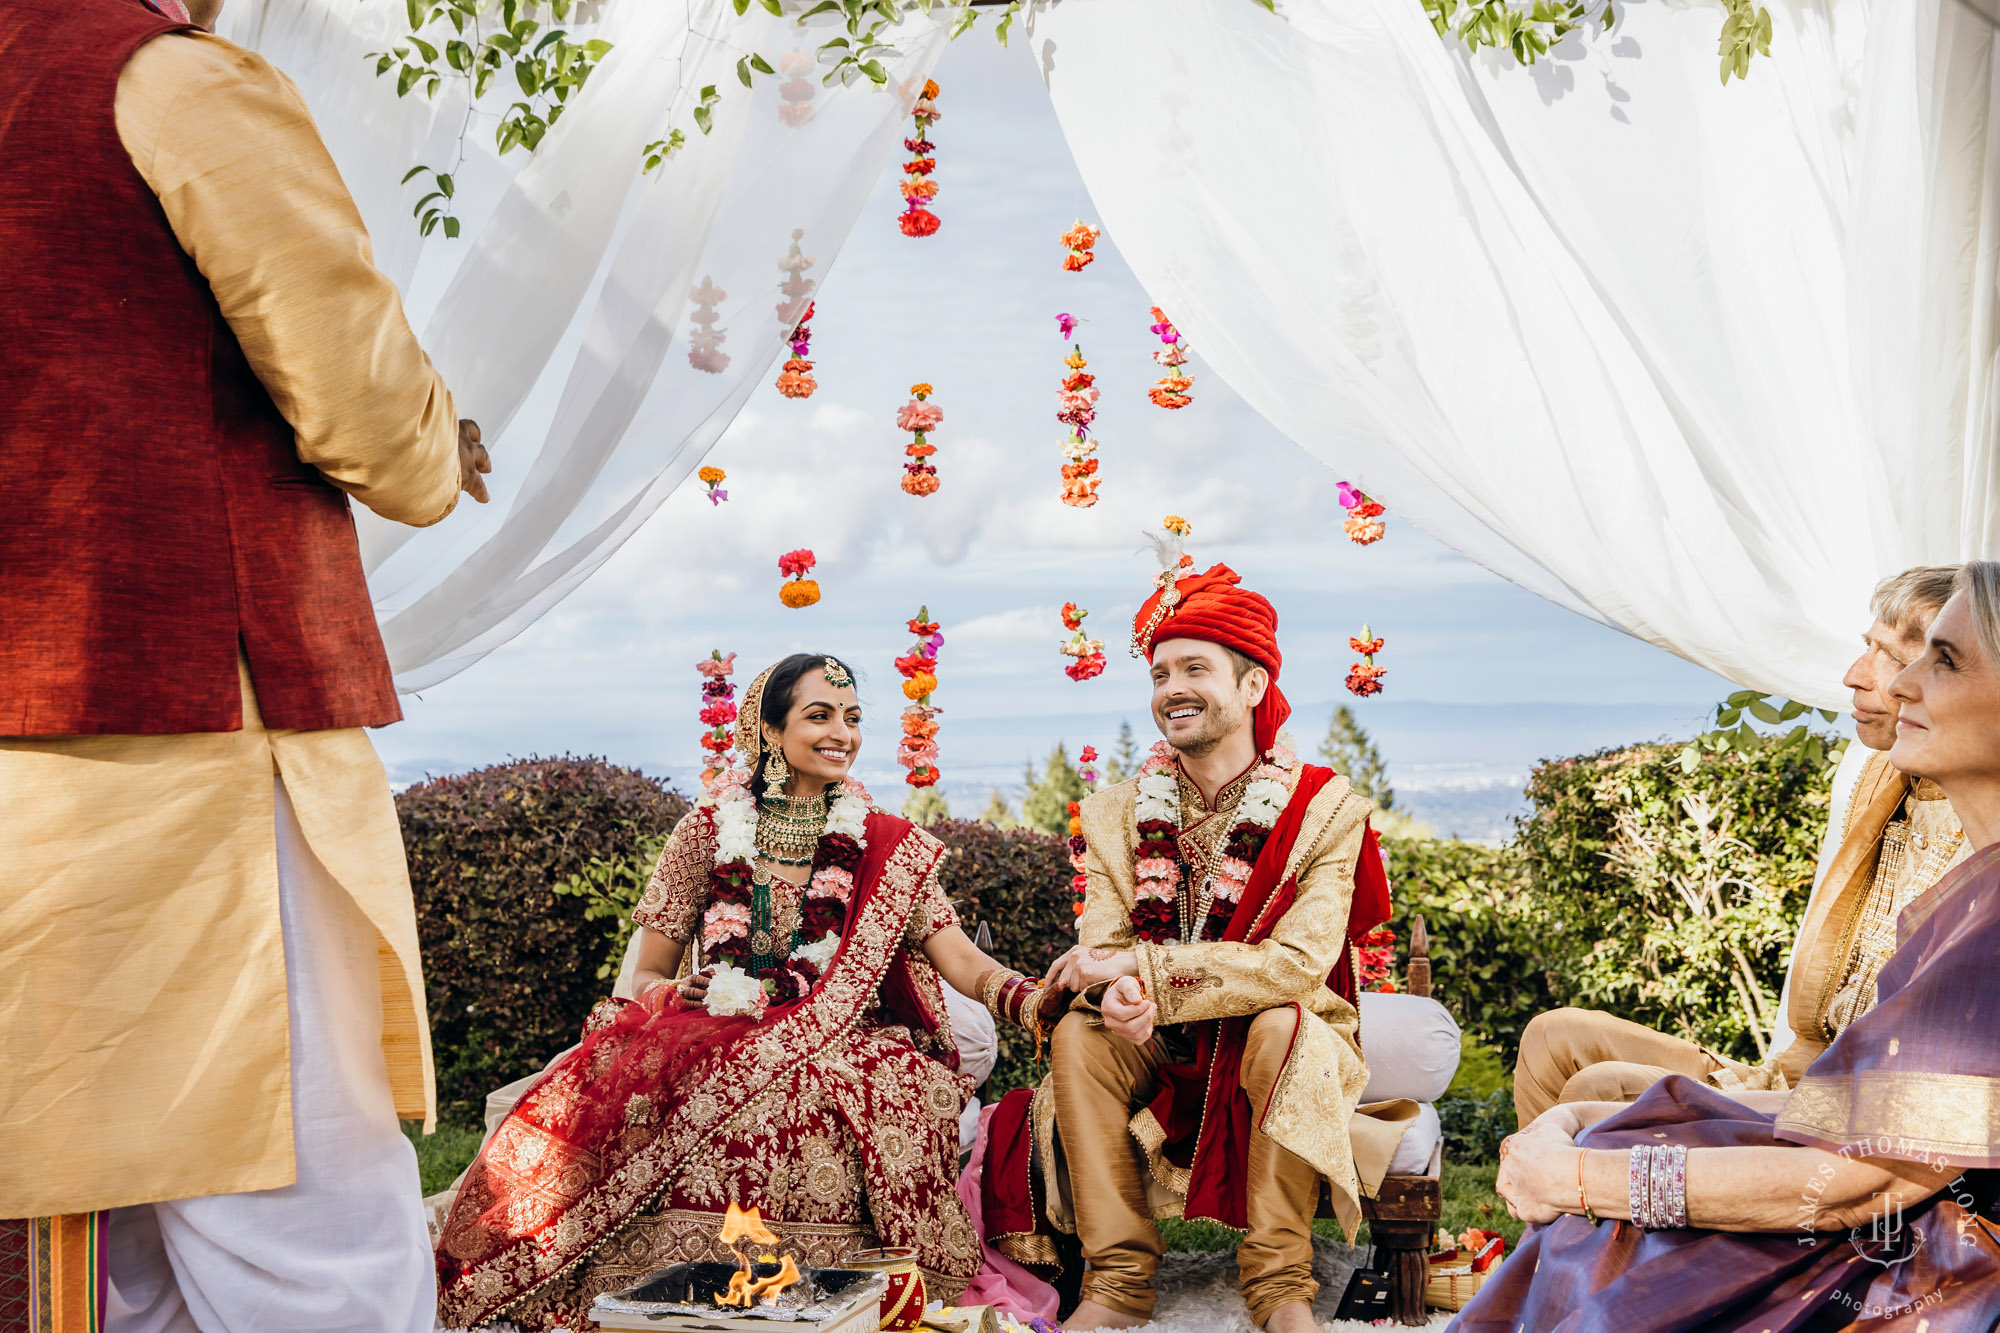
[{"x": 1216, "y": 608}]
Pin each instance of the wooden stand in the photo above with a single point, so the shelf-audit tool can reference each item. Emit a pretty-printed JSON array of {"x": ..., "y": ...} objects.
[{"x": 1404, "y": 1215}]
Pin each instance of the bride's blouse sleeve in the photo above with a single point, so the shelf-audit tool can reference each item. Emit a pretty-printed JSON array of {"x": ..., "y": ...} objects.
[
  {"x": 673, "y": 899},
  {"x": 931, "y": 912}
]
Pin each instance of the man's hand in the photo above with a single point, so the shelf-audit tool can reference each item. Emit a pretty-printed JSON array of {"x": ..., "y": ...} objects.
[
  {"x": 1127, "y": 1011},
  {"x": 1538, "y": 1168},
  {"x": 1081, "y": 968},
  {"x": 472, "y": 460}
]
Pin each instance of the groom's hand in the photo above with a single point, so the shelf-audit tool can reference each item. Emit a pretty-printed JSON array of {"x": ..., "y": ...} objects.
[
  {"x": 473, "y": 460},
  {"x": 1083, "y": 967},
  {"x": 1127, "y": 1012}
]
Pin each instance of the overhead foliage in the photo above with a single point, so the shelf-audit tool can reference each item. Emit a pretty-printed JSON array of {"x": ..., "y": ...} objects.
[{"x": 1528, "y": 29}]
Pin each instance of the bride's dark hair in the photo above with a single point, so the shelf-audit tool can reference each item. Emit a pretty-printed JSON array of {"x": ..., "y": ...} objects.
[{"x": 776, "y": 704}]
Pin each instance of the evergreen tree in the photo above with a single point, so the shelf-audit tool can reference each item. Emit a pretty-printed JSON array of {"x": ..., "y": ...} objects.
[
  {"x": 926, "y": 806},
  {"x": 998, "y": 813},
  {"x": 1348, "y": 752},
  {"x": 1046, "y": 806},
  {"x": 1125, "y": 759}
]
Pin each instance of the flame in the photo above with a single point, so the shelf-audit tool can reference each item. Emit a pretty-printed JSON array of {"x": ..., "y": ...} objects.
[{"x": 745, "y": 1224}]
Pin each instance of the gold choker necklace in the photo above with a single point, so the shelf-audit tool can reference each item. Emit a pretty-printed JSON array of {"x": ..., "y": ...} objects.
[{"x": 789, "y": 827}]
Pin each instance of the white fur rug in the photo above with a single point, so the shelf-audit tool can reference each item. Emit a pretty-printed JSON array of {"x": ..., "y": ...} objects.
[{"x": 1198, "y": 1294}]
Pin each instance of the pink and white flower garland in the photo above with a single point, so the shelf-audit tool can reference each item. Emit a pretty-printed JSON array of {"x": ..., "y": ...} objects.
[
  {"x": 1157, "y": 855},
  {"x": 725, "y": 924}
]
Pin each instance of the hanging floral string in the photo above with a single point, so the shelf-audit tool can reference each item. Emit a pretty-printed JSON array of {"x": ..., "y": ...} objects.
[
  {"x": 918, "y": 187},
  {"x": 801, "y": 591},
  {"x": 919, "y": 418},
  {"x": 1077, "y": 402},
  {"x": 797, "y": 91},
  {"x": 705, "y": 343},
  {"x": 713, "y": 477},
  {"x": 1364, "y": 516},
  {"x": 1086, "y": 766},
  {"x": 918, "y": 751},
  {"x": 795, "y": 312},
  {"x": 1088, "y": 652},
  {"x": 718, "y": 714},
  {"x": 1375, "y": 960},
  {"x": 1066, "y": 325},
  {"x": 1079, "y": 239},
  {"x": 1171, "y": 389},
  {"x": 1365, "y": 678},
  {"x": 1078, "y": 881}
]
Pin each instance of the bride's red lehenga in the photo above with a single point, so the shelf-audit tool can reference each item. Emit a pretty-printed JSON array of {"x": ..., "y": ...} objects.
[{"x": 836, "y": 1115}]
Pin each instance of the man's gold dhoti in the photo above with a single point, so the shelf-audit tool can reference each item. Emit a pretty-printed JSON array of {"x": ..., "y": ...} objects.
[
  {"x": 1098, "y": 1080},
  {"x": 1585, "y": 1055}
]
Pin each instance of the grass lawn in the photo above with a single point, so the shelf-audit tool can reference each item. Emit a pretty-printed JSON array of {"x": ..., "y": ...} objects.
[{"x": 441, "y": 1156}]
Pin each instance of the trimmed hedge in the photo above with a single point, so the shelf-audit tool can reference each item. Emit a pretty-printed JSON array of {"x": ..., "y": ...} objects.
[{"x": 511, "y": 967}]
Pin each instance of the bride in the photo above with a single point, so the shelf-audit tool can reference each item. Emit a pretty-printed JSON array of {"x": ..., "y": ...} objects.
[{"x": 788, "y": 1048}]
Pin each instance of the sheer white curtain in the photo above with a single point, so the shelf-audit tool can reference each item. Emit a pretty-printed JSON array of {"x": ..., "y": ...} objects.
[
  {"x": 562, "y": 319},
  {"x": 1701, "y": 362}
]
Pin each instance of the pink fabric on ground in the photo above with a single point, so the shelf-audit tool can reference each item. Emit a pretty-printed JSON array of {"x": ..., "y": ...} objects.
[{"x": 1000, "y": 1282}]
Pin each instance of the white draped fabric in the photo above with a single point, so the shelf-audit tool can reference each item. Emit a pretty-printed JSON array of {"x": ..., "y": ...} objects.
[
  {"x": 1701, "y": 362},
  {"x": 561, "y": 320}
]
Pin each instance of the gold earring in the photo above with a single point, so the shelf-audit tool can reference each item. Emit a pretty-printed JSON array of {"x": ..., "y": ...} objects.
[{"x": 776, "y": 773}]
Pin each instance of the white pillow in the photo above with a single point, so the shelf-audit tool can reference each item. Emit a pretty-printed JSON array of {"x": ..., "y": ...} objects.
[
  {"x": 972, "y": 1029},
  {"x": 1411, "y": 1045},
  {"x": 1413, "y": 1154}
]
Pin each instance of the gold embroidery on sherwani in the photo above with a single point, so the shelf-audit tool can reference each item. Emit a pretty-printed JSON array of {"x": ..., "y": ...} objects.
[
  {"x": 1203, "y": 833},
  {"x": 1321, "y": 1085}
]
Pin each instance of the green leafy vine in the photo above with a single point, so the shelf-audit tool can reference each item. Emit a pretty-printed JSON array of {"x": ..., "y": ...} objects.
[
  {"x": 1529, "y": 28},
  {"x": 1730, "y": 731}
]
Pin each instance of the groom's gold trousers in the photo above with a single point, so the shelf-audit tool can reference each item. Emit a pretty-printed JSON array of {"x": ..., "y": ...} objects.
[{"x": 1099, "y": 1080}]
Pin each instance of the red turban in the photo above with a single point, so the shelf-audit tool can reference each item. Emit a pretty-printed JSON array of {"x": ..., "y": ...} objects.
[{"x": 1215, "y": 608}]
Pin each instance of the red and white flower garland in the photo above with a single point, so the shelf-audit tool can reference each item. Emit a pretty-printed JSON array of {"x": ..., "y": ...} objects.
[
  {"x": 918, "y": 751},
  {"x": 718, "y": 714},
  {"x": 1088, "y": 652},
  {"x": 1077, "y": 408},
  {"x": 1171, "y": 389},
  {"x": 1157, "y": 855},
  {"x": 919, "y": 418},
  {"x": 1364, "y": 516},
  {"x": 1086, "y": 768},
  {"x": 725, "y": 924},
  {"x": 1365, "y": 678},
  {"x": 918, "y": 187},
  {"x": 800, "y": 591}
]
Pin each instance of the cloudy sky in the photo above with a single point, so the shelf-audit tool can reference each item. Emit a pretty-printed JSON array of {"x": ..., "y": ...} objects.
[{"x": 1483, "y": 678}]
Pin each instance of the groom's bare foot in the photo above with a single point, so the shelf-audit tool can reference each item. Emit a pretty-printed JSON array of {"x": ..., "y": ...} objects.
[
  {"x": 1092, "y": 1315},
  {"x": 1292, "y": 1317}
]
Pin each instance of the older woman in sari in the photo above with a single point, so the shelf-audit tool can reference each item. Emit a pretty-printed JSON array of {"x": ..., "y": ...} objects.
[
  {"x": 789, "y": 1048},
  {"x": 1865, "y": 1197}
]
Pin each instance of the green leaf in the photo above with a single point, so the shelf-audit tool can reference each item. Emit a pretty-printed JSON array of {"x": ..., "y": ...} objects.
[
  {"x": 873, "y": 69},
  {"x": 451, "y": 228},
  {"x": 526, "y": 75},
  {"x": 444, "y": 184},
  {"x": 1268, "y": 4},
  {"x": 966, "y": 18},
  {"x": 1763, "y": 712},
  {"x": 415, "y": 10},
  {"x": 407, "y": 79},
  {"x": 1827, "y": 714},
  {"x": 1007, "y": 21},
  {"x": 1728, "y": 717},
  {"x": 418, "y": 210},
  {"x": 597, "y": 48},
  {"x": 761, "y": 65},
  {"x": 458, "y": 55},
  {"x": 743, "y": 71},
  {"x": 822, "y": 7},
  {"x": 413, "y": 171},
  {"x": 702, "y": 117},
  {"x": 430, "y": 52},
  {"x": 382, "y": 65},
  {"x": 777, "y": 10},
  {"x": 1791, "y": 710},
  {"x": 1741, "y": 698},
  {"x": 742, "y": 7},
  {"x": 1690, "y": 759}
]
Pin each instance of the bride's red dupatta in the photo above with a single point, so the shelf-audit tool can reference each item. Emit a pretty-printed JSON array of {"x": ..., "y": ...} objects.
[{"x": 591, "y": 1144}]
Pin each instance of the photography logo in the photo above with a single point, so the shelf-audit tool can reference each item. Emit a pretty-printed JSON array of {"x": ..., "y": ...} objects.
[{"x": 1885, "y": 1240}]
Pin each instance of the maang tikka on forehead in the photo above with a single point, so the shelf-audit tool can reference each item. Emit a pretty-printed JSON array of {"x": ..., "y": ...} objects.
[{"x": 836, "y": 675}]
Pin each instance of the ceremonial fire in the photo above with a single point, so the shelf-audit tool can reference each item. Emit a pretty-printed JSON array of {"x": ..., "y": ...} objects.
[{"x": 746, "y": 1289}]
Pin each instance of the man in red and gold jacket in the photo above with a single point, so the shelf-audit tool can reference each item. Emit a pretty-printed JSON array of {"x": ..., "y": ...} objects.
[
  {"x": 1221, "y": 1072},
  {"x": 211, "y": 1007}
]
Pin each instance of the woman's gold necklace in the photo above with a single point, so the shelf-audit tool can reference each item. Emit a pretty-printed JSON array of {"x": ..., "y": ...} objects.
[{"x": 789, "y": 828}]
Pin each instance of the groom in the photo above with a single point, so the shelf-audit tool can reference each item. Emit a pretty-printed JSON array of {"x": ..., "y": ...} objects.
[{"x": 1223, "y": 886}]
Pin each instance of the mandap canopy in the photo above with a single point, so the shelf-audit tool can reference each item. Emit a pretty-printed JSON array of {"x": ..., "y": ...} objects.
[{"x": 1700, "y": 361}]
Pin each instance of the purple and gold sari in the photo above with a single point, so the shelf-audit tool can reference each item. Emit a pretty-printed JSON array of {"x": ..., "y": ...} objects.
[{"x": 1917, "y": 1078}]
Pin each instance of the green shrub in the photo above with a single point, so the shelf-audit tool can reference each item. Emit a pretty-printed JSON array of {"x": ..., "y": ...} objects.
[
  {"x": 1473, "y": 1126},
  {"x": 1673, "y": 891},
  {"x": 511, "y": 965}
]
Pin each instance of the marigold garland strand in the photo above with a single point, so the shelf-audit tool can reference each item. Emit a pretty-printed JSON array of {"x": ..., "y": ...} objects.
[
  {"x": 1364, "y": 516},
  {"x": 1365, "y": 678},
  {"x": 718, "y": 714},
  {"x": 918, "y": 751},
  {"x": 1088, "y": 652},
  {"x": 801, "y": 591},
  {"x": 1079, "y": 238},
  {"x": 795, "y": 312},
  {"x": 918, "y": 187},
  {"x": 1171, "y": 389},
  {"x": 920, "y": 418},
  {"x": 1077, "y": 404},
  {"x": 713, "y": 477}
]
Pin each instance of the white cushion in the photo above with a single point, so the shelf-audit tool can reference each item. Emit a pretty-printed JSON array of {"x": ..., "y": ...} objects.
[
  {"x": 972, "y": 1029},
  {"x": 1413, "y": 1154},
  {"x": 1411, "y": 1044}
]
